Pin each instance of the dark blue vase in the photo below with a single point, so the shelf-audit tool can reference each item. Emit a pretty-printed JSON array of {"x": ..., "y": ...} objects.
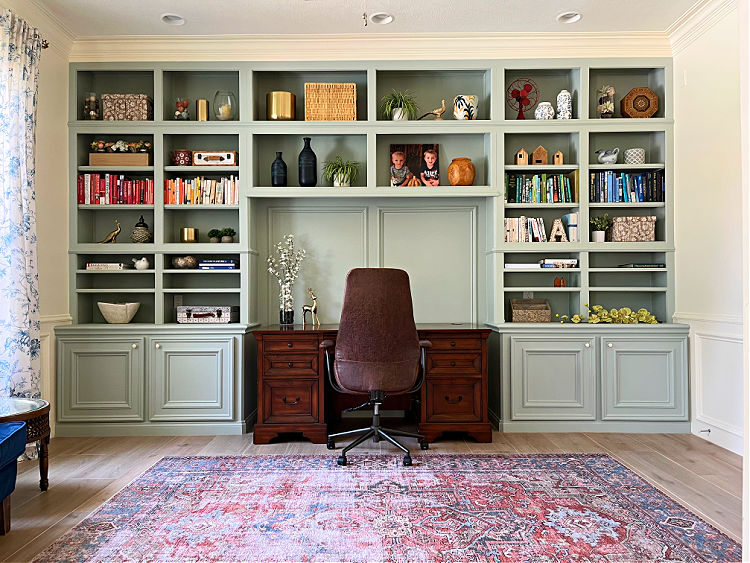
[
  {"x": 308, "y": 166},
  {"x": 278, "y": 172}
]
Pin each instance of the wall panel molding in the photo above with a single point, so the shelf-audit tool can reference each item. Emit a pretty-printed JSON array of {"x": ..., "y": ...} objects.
[{"x": 48, "y": 357}]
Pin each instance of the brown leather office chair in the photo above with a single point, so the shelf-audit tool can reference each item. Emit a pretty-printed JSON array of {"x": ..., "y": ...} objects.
[{"x": 378, "y": 351}]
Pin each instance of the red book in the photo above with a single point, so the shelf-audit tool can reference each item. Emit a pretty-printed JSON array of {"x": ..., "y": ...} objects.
[{"x": 80, "y": 190}]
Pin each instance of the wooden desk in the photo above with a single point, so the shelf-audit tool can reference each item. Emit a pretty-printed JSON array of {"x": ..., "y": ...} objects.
[{"x": 292, "y": 383}]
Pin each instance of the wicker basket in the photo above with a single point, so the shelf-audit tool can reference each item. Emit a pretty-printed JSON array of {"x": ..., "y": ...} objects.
[
  {"x": 530, "y": 311},
  {"x": 633, "y": 229},
  {"x": 330, "y": 101}
]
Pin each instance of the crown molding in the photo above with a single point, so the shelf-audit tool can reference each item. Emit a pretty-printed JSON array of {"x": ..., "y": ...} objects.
[
  {"x": 697, "y": 21},
  {"x": 368, "y": 47},
  {"x": 60, "y": 38}
]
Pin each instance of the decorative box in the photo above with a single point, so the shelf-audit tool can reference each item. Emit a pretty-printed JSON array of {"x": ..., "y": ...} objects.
[
  {"x": 639, "y": 103},
  {"x": 214, "y": 158},
  {"x": 126, "y": 107},
  {"x": 530, "y": 311},
  {"x": 633, "y": 229},
  {"x": 120, "y": 159},
  {"x": 204, "y": 314},
  {"x": 330, "y": 101}
]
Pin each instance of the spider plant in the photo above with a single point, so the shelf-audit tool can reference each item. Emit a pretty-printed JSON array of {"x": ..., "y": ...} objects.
[
  {"x": 399, "y": 99},
  {"x": 341, "y": 172}
]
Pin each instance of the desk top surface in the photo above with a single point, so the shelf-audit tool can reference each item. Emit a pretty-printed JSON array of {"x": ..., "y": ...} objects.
[{"x": 309, "y": 328}]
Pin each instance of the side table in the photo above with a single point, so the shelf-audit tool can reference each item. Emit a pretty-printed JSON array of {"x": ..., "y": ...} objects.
[{"x": 35, "y": 412}]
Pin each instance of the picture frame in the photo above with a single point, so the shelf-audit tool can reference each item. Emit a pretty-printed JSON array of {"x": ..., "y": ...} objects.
[{"x": 420, "y": 161}]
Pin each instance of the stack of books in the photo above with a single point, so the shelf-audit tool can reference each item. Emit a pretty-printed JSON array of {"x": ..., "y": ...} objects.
[
  {"x": 217, "y": 264},
  {"x": 558, "y": 263},
  {"x": 108, "y": 266}
]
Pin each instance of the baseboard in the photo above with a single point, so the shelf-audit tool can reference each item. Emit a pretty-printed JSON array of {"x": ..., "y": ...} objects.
[
  {"x": 722, "y": 438},
  {"x": 629, "y": 427},
  {"x": 92, "y": 429}
]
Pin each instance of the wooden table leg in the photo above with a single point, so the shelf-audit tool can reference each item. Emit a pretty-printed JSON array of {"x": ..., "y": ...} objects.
[{"x": 44, "y": 463}]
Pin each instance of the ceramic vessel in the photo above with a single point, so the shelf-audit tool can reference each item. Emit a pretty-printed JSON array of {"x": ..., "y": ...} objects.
[
  {"x": 182, "y": 157},
  {"x": 564, "y": 105},
  {"x": 185, "y": 262},
  {"x": 544, "y": 111},
  {"x": 598, "y": 236},
  {"x": 227, "y": 238},
  {"x": 465, "y": 107},
  {"x": 341, "y": 181},
  {"x": 140, "y": 232},
  {"x": 278, "y": 172},
  {"x": 398, "y": 114},
  {"x": 118, "y": 313},
  {"x": 461, "y": 172},
  {"x": 225, "y": 105},
  {"x": 308, "y": 165},
  {"x": 635, "y": 156},
  {"x": 607, "y": 156},
  {"x": 280, "y": 106},
  {"x": 141, "y": 264}
]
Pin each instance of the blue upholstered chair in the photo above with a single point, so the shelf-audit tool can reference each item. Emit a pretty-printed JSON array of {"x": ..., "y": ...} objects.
[{"x": 12, "y": 445}]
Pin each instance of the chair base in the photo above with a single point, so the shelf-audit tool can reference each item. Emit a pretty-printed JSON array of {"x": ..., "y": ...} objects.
[{"x": 377, "y": 433}]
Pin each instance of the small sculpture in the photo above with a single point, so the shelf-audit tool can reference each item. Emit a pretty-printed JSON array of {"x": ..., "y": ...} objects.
[
  {"x": 557, "y": 234},
  {"x": 437, "y": 112},
  {"x": 540, "y": 156},
  {"x": 522, "y": 157},
  {"x": 313, "y": 309},
  {"x": 141, "y": 233},
  {"x": 182, "y": 112},
  {"x": 606, "y": 98},
  {"x": 607, "y": 156},
  {"x": 112, "y": 237},
  {"x": 141, "y": 264}
]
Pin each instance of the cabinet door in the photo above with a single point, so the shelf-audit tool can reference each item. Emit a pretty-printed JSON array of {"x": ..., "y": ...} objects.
[
  {"x": 100, "y": 380},
  {"x": 191, "y": 378},
  {"x": 553, "y": 378},
  {"x": 644, "y": 379}
]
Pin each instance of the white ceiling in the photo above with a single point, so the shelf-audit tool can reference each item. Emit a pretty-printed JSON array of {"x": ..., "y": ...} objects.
[{"x": 85, "y": 18}]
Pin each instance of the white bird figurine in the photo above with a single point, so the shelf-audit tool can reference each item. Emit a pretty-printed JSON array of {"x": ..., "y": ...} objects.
[
  {"x": 608, "y": 156},
  {"x": 141, "y": 264}
]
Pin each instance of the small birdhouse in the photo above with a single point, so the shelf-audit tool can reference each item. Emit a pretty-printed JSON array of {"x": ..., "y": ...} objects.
[
  {"x": 557, "y": 234},
  {"x": 540, "y": 156},
  {"x": 522, "y": 157},
  {"x": 557, "y": 158}
]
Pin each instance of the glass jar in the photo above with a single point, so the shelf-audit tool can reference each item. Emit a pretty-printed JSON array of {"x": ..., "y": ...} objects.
[
  {"x": 225, "y": 105},
  {"x": 91, "y": 106}
]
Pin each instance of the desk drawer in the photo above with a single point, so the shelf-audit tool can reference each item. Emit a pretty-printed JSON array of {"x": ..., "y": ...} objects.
[
  {"x": 283, "y": 343},
  {"x": 454, "y": 399},
  {"x": 290, "y": 400},
  {"x": 443, "y": 343},
  {"x": 290, "y": 364},
  {"x": 456, "y": 363}
]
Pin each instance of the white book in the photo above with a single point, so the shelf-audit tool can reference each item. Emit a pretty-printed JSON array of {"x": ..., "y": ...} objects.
[{"x": 520, "y": 266}]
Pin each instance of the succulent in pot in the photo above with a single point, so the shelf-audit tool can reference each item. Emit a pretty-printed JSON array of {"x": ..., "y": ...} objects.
[
  {"x": 214, "y": 235},
  {"x": 399, "y": 105},
  {"x": 227, "y": 234},
  {"x": 599, "y": 226},
  {"x": 342, "y": 173}
]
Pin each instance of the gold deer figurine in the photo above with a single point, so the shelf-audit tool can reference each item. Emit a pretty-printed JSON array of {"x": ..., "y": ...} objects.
[
  {"x": 112, "y": 237},
  {"x": 313, "y": 309}
]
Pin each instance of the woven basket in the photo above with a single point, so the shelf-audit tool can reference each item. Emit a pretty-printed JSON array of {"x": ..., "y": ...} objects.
[
  {"x": 530, "y": 311},
  {"x": 330, "y": 101}
]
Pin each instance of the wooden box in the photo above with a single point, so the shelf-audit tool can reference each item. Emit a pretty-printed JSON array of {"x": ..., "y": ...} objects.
[
  {"x": 330, "y": 101},
  {"x": 633, "y": 229},
  {"x": 126, "y": 107},
  {"x": 120, "y": 159},
  {"x": 530, "y": 311}
]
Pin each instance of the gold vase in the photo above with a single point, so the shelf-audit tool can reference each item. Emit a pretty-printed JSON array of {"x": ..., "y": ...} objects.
[
  {"x": 280, "y": 106},
  {"x": 188, "y": 234},
  {"x": 202, "y": 109}
]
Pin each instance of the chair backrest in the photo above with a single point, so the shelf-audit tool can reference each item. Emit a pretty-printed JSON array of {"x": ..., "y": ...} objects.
[{"x": 377, "y": 347}]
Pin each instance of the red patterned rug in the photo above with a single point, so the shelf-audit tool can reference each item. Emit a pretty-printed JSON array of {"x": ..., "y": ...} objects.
[{"x": 445, "y": 508}]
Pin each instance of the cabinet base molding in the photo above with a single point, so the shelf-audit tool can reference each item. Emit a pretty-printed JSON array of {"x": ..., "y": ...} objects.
[
  {"x": 481, "y": 431},
  {"x": 88, "y": 429},
  {"x": 629, "y": 427},
  {"x": 263, "y": 433}
]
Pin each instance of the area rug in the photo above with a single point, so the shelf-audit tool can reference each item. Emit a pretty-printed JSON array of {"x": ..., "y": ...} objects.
[{"x": 445, "y": 508}]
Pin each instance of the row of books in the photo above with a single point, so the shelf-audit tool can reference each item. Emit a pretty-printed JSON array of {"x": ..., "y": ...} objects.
[
  {"x": 615, "y": 187},
  {"x": 525, "y": 229},
  {"x": 108, "y": 266},
  {"x": 545, "y": 263},
  {"x": 112, "y": 189},
  {"x": 541, "y": 188},
  {"x": 202, "y": 191}
]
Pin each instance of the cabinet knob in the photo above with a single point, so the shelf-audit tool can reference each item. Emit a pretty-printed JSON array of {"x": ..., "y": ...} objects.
[
  {"x": 134, "y": 346},
  {"x": 453, "y": 344},
  {"x": 289, "y": 345},
  {"x": 609, "y": 345},
  {"x": 291, "y": 364},
  {"x": 453, "y": 364},
  {"x": 587, "y": 345},
  {"x": 157, "y": 345}
]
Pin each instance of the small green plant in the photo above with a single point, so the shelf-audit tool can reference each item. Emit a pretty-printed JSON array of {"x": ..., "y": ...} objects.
[
  {"x": 214, "y": 233},
  {"x": 399, "y": 99},
  {"x": 346, "y": 170},
  {"x": 227, "y": 232},
  {"x": 601, "y": 223}
]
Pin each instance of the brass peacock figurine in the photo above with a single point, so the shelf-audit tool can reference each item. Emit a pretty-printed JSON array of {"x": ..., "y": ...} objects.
[
  {"x": 437, "y": 112},
  {"x": 112, "y": 237}
]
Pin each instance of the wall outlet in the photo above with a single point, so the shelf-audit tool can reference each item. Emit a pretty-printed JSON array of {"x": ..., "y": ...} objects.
[{"x": 528, "y": 295}]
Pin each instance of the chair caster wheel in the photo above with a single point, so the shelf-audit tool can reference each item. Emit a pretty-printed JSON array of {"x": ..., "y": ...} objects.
[
  {"x": 341, "y": 460},
  {"x": 331, "y": 445},
  {"x": 407, "y": 460},
  {"x": 424, "y": 445}
]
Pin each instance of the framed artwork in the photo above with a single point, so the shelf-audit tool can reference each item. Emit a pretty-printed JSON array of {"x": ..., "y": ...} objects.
[{"x": 415, "y": 165}]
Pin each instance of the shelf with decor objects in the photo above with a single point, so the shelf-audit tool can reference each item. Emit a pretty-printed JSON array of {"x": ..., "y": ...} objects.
[
  {"x": 182, "y": 88},
  {"x": 623, "y": 79},
  {"x": 559, "y": 87}
]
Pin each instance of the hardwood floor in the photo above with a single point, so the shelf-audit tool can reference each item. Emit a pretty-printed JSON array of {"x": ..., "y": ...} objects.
[{"x": 85, "y": 472}]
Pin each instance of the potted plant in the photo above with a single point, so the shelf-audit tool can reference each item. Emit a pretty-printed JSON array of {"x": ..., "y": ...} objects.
[
  {"x": 599, "y": 225},
  {"x": 342, "y": 173},
  {"x": 214, "y": 235},
  {"x": 399, "y": 105},
  {"x": 227, "y": 234}
]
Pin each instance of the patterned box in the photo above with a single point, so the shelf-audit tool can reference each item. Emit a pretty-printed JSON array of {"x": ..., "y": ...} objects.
[
  {"x": 126, "y": 107},
  {"x": 633, "y": 229},
  {"x": 208, "y": 314}
]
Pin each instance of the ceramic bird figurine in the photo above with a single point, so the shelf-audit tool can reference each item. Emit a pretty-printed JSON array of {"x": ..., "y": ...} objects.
[
  {"x": 608, "y": 156},
  {"x": 141, "y": 264},
  {"x": 112, "y": 237},
  {"x": 437, "y": 112}
]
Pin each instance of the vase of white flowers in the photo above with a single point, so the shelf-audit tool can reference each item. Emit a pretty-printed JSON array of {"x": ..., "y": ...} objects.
[{"x": 285, "y": 265}]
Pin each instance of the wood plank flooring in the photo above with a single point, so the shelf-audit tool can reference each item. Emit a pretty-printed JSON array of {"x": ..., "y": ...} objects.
[{"x": 85, "y": 472}]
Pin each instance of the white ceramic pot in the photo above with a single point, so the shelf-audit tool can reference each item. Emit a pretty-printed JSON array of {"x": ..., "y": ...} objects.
[
  {"x": 635, "y": 156},
  {"x": 398, "y": 114},
  {"x": 118, "y": 313},
  {"x": 341, "y": 181},
  {"x": 564, "y": 105},
  {"x": 544, "y": 111},
  {"x": 597, "y": 236}
]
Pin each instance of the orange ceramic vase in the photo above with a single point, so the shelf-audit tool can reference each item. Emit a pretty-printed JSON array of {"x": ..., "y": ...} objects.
[{"x": 461, "y": 172}]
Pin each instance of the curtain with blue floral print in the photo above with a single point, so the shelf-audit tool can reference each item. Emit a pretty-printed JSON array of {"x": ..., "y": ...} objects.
[{"x": 20, "y": 50}]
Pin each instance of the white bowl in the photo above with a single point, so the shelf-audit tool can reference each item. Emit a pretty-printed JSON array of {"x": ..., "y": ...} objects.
[{"x": 118, "y": 313}]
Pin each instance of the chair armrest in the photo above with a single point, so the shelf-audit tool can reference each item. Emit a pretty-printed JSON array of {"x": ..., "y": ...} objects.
[
  {"x": 425, "y": 344},
  {"x": 326, "y": 344}
]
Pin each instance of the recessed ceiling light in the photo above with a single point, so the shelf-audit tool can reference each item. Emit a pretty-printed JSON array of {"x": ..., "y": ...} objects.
[
  {"x": 172, "y": 19},
  {"x": 568, "y": 17},
  {"x": 382, "y": 18}
]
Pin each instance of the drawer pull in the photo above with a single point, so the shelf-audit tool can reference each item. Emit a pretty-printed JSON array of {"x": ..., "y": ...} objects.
[
  {"x": 291, "y": 364},
  {"x": 448, "y": 400},
  {"x": 453, "y": 344},
  {"x": 453, "y": 364},
  {"x": 289, "y": 345},
  {"x": 290, "y": 403}
]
